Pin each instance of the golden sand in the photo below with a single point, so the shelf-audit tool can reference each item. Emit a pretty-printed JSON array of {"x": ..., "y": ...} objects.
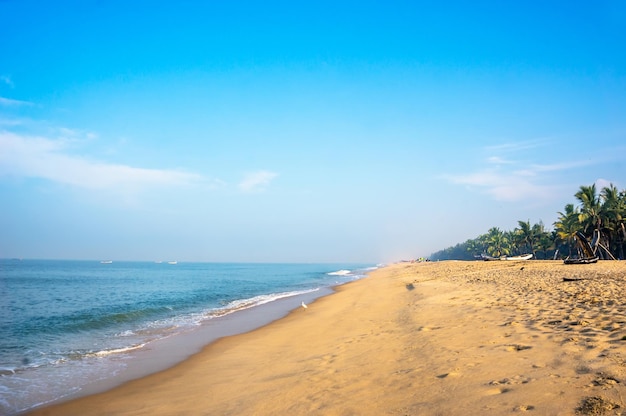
[{"x": 449, "y": 338}]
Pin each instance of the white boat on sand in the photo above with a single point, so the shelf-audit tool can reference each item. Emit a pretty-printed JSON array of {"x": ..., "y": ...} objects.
[{"x": 522, "y": 257}]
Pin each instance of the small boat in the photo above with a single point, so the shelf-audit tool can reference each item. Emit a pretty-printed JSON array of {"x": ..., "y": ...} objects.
[
  {"x": 581, "y": 261},
  {"x": 489, "y": 258},
  {"x": 587, "y": 254},
  {"x": 106, "y": 262},
  {"x": 522, "y": 257}
]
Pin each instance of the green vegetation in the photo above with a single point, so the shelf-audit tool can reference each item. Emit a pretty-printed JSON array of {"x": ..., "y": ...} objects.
[{"x": 604, "y": 212}]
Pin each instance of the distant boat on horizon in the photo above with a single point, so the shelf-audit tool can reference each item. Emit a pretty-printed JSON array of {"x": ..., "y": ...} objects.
[
  {"x": 106, "y": 262},
  {"x": 172, "y": 262}
]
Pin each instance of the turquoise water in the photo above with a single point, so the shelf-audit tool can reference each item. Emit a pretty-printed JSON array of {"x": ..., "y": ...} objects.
[{"x": 64, "y": 324}]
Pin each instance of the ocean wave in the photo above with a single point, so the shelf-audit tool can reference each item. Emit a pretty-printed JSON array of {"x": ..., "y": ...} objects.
[
  {"x": 238, "y": 305},
  {"x": 340, "y": 273},
  {"x": 160, "y": 328},
  {"x": 113, "y": 351},
  {"x": 378, "y": 266}
]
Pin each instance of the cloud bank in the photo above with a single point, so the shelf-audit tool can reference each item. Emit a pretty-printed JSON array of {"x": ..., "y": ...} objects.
[
  {"x": 257, "y": 181},
  {"x": 38, "y": 157},
  {"x": 507, "y": 179},
  {"x": 8, "y": 102}
]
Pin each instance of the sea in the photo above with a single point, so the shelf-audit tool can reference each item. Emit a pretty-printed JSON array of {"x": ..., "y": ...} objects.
[{"x": 71, "y": 328}]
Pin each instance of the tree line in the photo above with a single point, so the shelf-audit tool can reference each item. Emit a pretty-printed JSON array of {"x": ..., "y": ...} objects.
[{"x": 603, "y": 213}]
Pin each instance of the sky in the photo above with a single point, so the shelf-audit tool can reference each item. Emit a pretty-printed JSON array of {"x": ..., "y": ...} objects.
[{"x": 281, "y": 131}]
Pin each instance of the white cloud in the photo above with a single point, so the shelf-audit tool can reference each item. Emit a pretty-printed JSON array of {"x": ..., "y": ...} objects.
[
  {"x": 7, "y": 80},
  {"x": 6, "y": 122},
  {"x": 497, "y": 160},
  {"x": 512, "y": 147},
  {"x": 73, "y": 134},
  {"x": 39, "y": 157},
  {"x": 257, "y": 181},
  {"x": 503, "y": 186},
  {"x": 507, "y": 179},
  {"x": 8, "y": 102}
]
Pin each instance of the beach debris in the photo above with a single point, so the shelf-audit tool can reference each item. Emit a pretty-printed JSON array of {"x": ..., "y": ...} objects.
[
  {"x": 596, "y": 405},
  {"x": 605, "y": 380},
  {"x": 450, "y": 374},
  {"x": 574, "y": 279},
  {"x": 304, "y": 305}
]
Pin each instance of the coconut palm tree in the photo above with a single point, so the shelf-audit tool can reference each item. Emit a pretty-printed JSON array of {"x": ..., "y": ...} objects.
[
  {"x": 526, "y": 235},
  {"x": 567, "y": 225},
  {"x": 590, "y": 216},
  {"x": 604, "y": 212},
  {"x": 498, "y": 243},
  {"x": 614, "y": 210},
  {"x": 541, "y": 239},
  {"x": 473, "y": 247}
]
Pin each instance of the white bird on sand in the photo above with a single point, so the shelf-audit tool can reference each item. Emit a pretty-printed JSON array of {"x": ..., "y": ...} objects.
[{"x": 304, "y": 305}]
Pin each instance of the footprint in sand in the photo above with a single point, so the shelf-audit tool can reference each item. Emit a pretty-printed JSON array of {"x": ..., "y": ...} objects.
[
  {"x": 450, "y": 374},
  {"x": 520, "y": 379},
  {"x": 493, "y": 392},
  {"x": 517, "y": 347},
  {"x": 428, "y": 328},
  {"x": 523, "y": 408},
  {"x": 605, "y": 381}
]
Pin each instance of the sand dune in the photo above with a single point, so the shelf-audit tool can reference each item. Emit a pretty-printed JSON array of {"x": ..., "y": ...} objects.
[{"x": 413, "y": 339}]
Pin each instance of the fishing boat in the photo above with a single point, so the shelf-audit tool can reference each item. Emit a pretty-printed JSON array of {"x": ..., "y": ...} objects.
[
  {"x": 589, "y": 260},
  {"x": 522, "y": 257},
  {"x": 514, "y": 258},
  {"x": 587, "y": 251}
]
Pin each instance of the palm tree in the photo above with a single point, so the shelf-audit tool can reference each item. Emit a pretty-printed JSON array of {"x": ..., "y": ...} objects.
[
  {"x": 614, "y": 210},
  {"x": 517, "y": 241},
  {"x": 498, "y": 243},
  {"x": 473, "y": 247},
  {"x": 567, "y": 225},
  {"x": 591, "y": 207},
  {"x": 604, "y": 213},
  {"x": 527, "y": 235},
  {"x": 545, "y": 242},
  {"x": 541, "y": 239}
]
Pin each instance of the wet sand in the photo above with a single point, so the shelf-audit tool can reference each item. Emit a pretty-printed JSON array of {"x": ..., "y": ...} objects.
[{"x": 413, "y": 339}]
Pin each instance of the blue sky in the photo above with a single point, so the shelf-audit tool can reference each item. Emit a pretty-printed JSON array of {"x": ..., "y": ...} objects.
[{"x": 289, "y": 131}]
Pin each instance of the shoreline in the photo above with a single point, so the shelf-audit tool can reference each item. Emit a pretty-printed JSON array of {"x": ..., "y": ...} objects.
[
  {"x": 427, "y": 338},
  {"x": 165, "y": 353}
]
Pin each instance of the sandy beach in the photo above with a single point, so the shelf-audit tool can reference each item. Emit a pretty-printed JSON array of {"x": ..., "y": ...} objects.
[{"x": 443, "y": 338}]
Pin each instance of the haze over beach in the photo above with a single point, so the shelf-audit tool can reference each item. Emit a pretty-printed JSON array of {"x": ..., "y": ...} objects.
[
  {"x": 281, "y": 132},
  {"x": 205, "y": 205}
]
